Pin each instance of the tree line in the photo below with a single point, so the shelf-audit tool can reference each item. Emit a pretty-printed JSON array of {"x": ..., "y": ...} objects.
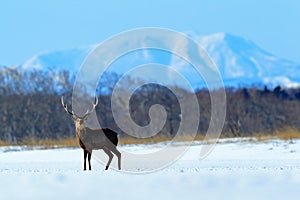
[{"x": 30, "y": 106}]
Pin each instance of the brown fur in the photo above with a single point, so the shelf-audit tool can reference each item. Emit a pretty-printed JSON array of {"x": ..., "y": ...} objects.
[{"x": 93, "y": 139}]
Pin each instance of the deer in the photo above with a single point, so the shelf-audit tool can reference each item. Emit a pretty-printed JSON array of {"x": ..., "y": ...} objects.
[{"x": 94, "y": 139}]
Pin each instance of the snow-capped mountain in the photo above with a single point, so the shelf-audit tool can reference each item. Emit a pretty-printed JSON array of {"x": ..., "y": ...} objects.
[
  {"x": 69, "y": 59},
  {"x": 240, "y": 61}
]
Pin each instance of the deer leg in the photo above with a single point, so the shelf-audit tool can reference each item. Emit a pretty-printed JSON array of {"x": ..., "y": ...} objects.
[
  {"x": 110, "y": 157},
  {"x": 84, "y": 159},
  {"x": 118, "y": 154},
  {"x": 89, "y": 159}
]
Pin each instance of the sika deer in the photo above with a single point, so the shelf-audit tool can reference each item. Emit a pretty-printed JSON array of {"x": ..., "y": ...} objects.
[{"x": 93, "y": 139}]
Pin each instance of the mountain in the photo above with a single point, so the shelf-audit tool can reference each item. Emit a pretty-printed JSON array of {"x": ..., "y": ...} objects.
[
  {"x": 69, "y": 59},
  {"x": 240, "y": 61}
]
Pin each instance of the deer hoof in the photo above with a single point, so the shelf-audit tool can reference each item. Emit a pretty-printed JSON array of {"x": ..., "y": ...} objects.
[{"x": 106, "y": 168}]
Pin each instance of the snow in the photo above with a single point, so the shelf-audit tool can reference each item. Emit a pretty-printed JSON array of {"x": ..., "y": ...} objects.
[
  {"x": 283, "y": 81},
  {"x": 236, "y": 169},
  {"x": 68, "y": 59}
]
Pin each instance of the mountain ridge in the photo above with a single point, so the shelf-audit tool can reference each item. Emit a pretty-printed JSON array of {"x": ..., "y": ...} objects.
[{"x": 240, "y": 61}]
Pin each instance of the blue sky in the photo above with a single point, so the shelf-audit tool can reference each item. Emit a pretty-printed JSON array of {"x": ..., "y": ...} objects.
[{"x": 33, "y": 26}]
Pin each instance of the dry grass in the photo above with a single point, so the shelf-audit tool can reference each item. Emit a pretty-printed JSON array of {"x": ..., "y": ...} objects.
[
  {"x": 72, "y": 142},
  {"x": 287, "y": 133},
  {"x": 45, "y": 143},
  {"x": 155, "y": 139},
  {"x": 3, "y": 143},
  {"x": 132, "y": 140},
  {"x": 284, "y": 134},
  {"x": 51, "y": 143}
]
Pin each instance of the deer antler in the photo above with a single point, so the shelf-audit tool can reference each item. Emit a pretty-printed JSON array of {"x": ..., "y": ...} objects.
[
  {"x": 88, "y": 112},
  {"x": 66, "y": 107}
]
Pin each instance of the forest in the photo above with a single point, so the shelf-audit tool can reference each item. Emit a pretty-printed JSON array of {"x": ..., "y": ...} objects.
[{"x": 30, "y": 107}]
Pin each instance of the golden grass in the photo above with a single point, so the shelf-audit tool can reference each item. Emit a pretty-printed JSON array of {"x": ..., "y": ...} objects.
[
  {"x": 72, "y": 142},
  {"x": 51, "y": 143},
  {"x": 45, "y": 143},
  {"x": 155, "y": 139},
  {"x": 287, "y": 133},
  {"x": 3, "y": 143},
  {"x": 284, "y": 134}
]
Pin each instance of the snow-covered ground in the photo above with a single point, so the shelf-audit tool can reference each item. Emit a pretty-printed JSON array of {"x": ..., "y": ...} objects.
[{"x": 234, "y": 170}]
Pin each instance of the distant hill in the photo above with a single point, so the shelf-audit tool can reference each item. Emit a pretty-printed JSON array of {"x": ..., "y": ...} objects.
[{"x": 240, "y": 61}]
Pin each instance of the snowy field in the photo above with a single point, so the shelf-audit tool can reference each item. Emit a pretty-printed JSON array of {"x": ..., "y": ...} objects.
[{"x": 234, "y": 170}]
